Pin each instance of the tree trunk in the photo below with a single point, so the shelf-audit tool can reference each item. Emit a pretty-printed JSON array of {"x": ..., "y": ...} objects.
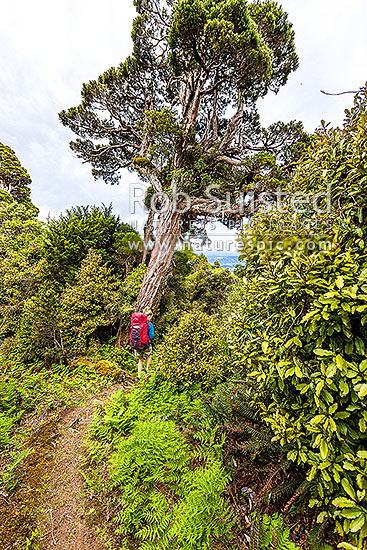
[
  {"x": 168, "y": 232},
  {"x": 120, "y": 335},
  {"x": 148, "y": 236}
]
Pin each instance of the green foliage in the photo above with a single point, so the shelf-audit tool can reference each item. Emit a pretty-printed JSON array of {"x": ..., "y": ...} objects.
[
  {"x": 13, "y": 177},
  {"x": 163, "y": 501},
  {"x": 129, "y": 290},
  {"x": 155, "y": 398},
  {"x": 20, "y": 265},
  {"x": 301, "y": 329},
  {"x": 159, "y": 496},
  {"x": 270, "y": 532},
  {"x": 68, "y": 239},
  {"x": 35, "y": 262},
  {"x": 230, "y": 35},
  {"x": 194, "y": 350},
  {"x": 86, "y": 304},
  {"x": 194, "y": 285},
  {"x": 154, "y": 454},
  {"x": 208, "y": 287},
  {"x": 117, "y": 356},
  {"x": 19, "y": 226},
  {"x": 217, "y": 52},
  {"x": 38, "y": 333},
  {"x": 234, "y": 409}
]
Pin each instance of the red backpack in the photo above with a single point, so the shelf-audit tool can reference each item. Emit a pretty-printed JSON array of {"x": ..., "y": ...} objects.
[{"x": 139, "y": 339}]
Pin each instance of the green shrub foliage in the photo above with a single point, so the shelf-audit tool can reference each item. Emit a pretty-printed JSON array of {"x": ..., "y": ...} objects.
[
  {"x": 14, "y": 179},
  {"x": 85, "y": 304},
  {"x": 301, "y": 329},
  {"x": 270, "y": 532},
  {"x": 68, "y": 239},
  {"x": 194, "y": 350},
  {"x": 194, "y": 285},
  {"x": 50, "y": 305}
]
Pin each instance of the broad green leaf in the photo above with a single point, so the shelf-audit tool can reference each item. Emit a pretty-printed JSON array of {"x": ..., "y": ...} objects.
[
  {"x": 317, "y": 419},
  {"x": 342, "y": 415},
  {"x": 339, "y": 281},
  {"x": 348, "y": 488},
  {"x": 298, "y": 372},
  {"x": 321, "y": 517},
  {"x": 331, "y": 371},
  {"x": 350, "y": 513},
  {"x": 323, "y": 352},
  {"x": 311, "y": 474},
  {"x": 324, "y": 449},
  {"x": 362, "y": 392},
  {"x": 319, "y": 387},
  {"x": 359, "y": 345},
  {"x": 347, "y": 546},
  {"x": 308, "y": 316},
  {"x": 332, "y": 425},
  {"x": 342, "y": 502},
  {"x": 265, "y": 346},
  {"x": 358, "y": 523},
  {"x": 344, "y": 388}
]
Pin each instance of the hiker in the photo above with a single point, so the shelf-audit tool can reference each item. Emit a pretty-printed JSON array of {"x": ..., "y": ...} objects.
[{"x": 141, "y": 336}]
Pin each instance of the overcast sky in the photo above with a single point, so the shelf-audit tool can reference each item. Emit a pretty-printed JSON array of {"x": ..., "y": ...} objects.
[{"x": 48, "y": 49}]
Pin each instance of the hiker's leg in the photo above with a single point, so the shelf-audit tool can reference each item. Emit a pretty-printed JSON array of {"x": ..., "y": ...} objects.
[
  {"x": 149, "y": 360},
  {"x": 140, "y": 366}
]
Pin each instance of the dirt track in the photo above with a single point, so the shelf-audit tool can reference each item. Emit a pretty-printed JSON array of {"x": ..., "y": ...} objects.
[{"x": 64, "y": 523}]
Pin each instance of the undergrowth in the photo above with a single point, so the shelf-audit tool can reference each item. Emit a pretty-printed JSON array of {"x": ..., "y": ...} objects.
[
  {"x": 156, "y": 473},
  {"x": 31, "y": 396},
  {"x": 162, "y": 479}
]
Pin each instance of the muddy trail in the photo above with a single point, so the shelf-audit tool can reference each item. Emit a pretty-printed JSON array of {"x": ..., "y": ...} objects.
[{"x": 63, "y": 521}]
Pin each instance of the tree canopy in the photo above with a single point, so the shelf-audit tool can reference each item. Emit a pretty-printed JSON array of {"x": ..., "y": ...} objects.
[
  {"x": 13, "y": 177},
  {"x": 68, "y": 239},
  {"x": 181, "y": 110}
]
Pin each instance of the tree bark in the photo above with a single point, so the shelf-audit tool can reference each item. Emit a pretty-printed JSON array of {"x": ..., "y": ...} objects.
[
  {"x": 148, "y": 236},
  {"x": 168, "y": 232}
]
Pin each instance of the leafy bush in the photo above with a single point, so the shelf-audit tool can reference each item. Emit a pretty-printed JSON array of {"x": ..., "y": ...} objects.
[
  {"x": 86, "y": 305},
  {"x": 301, "y": 328},
  {"x": 14, "y": 178},
  {"x": 194, "y": 285},
  {"x": 194, "y": 350},
  {"x": 68, "y": 239},
  {"x": 41, "y": 315}
]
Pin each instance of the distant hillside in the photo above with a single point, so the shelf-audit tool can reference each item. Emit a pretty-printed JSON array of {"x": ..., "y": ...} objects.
[{"x": 225, "y": 259}]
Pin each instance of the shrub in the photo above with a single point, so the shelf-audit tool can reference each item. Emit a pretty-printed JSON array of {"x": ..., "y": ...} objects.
[
  {"x": 194, "y": 350},
  {"x": 301, "y": 328},
  {"x": 86, "y": 305},
  {"x": 270, "y": 532}
]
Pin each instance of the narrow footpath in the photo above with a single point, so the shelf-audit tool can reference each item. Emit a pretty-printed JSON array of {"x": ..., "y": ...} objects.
[{"x": 63, "y": 521}]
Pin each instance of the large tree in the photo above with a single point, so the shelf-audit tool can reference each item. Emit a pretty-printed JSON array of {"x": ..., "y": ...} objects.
[
  {"x": 13, "y": 177},
  {"x": 181, "y": 112}
]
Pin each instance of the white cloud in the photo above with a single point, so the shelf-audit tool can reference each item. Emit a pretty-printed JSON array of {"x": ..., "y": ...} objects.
[
  {"x": 48, "y": 49},
  {"x": 331, "y": 42}
]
